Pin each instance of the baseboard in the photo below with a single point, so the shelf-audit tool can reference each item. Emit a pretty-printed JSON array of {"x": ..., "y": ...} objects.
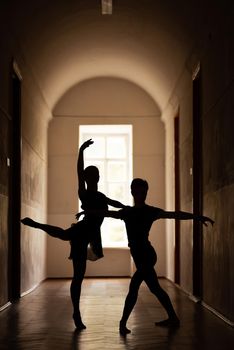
[
  {"x": 30, "y": 290},
  {"x": 5, "y": 306},
  {"x": 194, "y": 299},
  {"x": 208, "y": 307},
  {"x": 218, "y": 314}
]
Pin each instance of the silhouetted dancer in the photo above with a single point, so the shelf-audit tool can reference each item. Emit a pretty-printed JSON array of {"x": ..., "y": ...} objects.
[
  {"x": 84, "y": 233},
  {"x": 138, "y": 220}
]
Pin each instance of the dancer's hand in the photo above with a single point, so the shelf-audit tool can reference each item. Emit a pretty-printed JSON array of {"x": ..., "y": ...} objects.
[
  {"x": 27, "y": 221},
  {"x": 205, "y": 219},
  {"x": 86, "y": 144},
  {"x": 78, "y": 215}
]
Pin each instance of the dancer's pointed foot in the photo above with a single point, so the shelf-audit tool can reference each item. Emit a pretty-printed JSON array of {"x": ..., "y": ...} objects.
[
  {"x": 172, "y": 322},
  {"x": 123, "y": 330},
  {"x": 29, "y": 222},
  {"x": 78, "y": 322}
]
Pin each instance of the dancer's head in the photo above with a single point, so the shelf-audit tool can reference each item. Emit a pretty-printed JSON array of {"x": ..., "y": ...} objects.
[
  {"x": 91, "y": 175},
  {"x": 139, "y": 189}
]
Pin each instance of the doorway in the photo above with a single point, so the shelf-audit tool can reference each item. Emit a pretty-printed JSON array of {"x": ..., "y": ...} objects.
[
  {"x": 197, "y": 184},
  {"x": 177, "y": 197},
  {"x": 15, "y": 186}
]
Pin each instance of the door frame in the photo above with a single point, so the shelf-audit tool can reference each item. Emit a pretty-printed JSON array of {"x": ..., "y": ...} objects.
[{"x": 177, "y": 196}]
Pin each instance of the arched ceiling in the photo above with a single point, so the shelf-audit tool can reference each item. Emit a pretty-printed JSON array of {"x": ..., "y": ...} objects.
[
  {"x": 106, "y": 97},
  {"x": 66, "y": 42}
]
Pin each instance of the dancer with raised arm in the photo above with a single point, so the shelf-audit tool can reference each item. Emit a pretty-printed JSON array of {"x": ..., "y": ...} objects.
[{"x": 84, "y": 233}]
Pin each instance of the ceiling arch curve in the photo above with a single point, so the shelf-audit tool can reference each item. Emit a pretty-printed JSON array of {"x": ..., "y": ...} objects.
[{"x": 106, "y": 96}]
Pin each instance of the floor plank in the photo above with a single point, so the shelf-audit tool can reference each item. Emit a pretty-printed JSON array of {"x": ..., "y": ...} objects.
[{"x": 42, "y": 320}]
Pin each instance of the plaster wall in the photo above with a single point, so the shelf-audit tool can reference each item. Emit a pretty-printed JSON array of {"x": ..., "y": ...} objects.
[
  {"x": 34, "y": 115},
  {"x": 169, "y": 191}
]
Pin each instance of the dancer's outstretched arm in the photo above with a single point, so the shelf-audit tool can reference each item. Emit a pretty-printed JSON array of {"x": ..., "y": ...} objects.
[
  {"x": 115, "y": 214},
  {"x": 182, "y": 215},
  {"x": 114, "y": 203}
]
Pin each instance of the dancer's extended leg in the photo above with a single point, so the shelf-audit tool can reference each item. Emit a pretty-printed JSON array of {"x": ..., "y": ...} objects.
[
  {"x": 130, "y": 301},
  {"x": 151, "y": 280},
  {"x": 53, "y": 231}
]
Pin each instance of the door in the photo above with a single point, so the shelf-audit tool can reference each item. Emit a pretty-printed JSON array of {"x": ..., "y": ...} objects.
[
  {"x": 197, "y": 185},
  {"x": 5, "y": 124}
]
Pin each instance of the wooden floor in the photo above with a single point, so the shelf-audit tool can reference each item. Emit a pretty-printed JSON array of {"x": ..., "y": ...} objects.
[{"x": 42, "y": 320}]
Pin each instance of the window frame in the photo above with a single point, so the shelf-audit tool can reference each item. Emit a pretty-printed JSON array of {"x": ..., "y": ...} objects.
[{"x": 110, "y": 131}]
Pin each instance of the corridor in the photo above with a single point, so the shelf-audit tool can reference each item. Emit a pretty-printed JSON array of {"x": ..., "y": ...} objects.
[
  {"x": 73, "y": 70},
  {"x": 42, "y": 320}
]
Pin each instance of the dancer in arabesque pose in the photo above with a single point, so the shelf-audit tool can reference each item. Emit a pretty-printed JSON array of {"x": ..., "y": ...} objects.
[{"x": 85, "y": 233}]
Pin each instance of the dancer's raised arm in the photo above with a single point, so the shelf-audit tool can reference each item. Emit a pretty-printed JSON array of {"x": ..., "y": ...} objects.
[{"x": 80, "y": 166}]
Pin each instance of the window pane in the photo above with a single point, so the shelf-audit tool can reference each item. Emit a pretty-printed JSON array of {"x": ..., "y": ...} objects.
[
  {"x": 114, "y": 233},
  {"x": 116, "y": 171},
  {"x": 117, "y": 191},
  {"x": 116, "y": 147},
  {"x": 97, "y": 149}
]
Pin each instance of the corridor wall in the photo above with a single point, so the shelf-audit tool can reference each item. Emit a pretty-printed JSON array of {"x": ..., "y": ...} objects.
[
  {"x": 213, "y": 53},
  {"x": 34, "y": 115}
]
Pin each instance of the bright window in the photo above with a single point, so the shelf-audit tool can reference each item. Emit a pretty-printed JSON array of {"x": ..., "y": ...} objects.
[{"x": 111, "y": 153}]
